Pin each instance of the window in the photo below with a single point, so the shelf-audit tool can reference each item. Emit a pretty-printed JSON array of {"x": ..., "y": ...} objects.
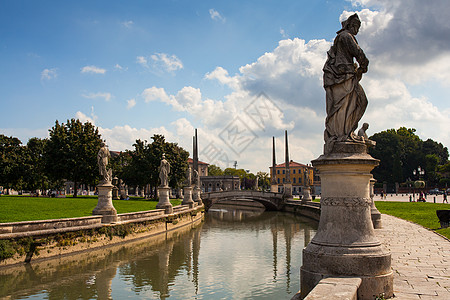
[
  {"x": 294, "y": 179},
  {"x": 278, "y": 180},
  {"x": 278, "y": 171},
  {"x": 284, "y": 180},
  {"x": 284, "y": 171},
  {"x": 293, "y": 171}
]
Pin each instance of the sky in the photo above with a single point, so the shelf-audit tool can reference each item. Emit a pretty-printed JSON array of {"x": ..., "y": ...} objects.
[{"x": 240, "y": 72}]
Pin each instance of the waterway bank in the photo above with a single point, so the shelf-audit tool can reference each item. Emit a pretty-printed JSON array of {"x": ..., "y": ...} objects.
[{"x": 25, "y": 241}]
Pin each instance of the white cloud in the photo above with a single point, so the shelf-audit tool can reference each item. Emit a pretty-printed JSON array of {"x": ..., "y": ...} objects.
[
  {"x": 142, "y": 61},
  {"x": 93, "y": 69},
  {"x": 131, "y": 103},
  {"x": 169, "y": 62},
  {"x": 120, "y": 68},
  {"x": 283, "y": 33},
  {"x": 105, "y": 96},
  {"x": 48, "y": 74},
  {"x": 215, "y": 15},
  {"x": 127, "y": 24},
  {"x": 84, "y": 118}
]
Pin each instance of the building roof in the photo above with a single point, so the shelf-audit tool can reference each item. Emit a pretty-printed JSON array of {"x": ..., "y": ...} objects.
[
  {"x": 191, "y": 161},
  {"x": 291, "y": 165}
]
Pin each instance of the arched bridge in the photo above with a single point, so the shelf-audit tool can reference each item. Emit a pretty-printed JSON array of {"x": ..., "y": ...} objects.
[{"x": 271, "y": 201}]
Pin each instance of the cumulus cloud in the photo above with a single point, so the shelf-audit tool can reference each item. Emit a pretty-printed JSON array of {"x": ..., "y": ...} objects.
[
  {"x": 216, "y": 16},
  {"x": 142, "y": 61},
  {"x": 93, "y": 69},
  {"x": 48, "y": 74},
  {"x": 127, "y": 24},
  {"x": 168, "y": 62},
  {"x": 105, "y": 96},
  {"x": 120, "y": 68},
  {"x": 85, "y": 118}
]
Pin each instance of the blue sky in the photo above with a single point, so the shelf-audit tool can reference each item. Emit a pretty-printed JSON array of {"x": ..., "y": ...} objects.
[{"x": 136, "y": 68}]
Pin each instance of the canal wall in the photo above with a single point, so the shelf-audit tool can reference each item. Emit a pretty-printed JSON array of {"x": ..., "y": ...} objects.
[
  {"x": 38, "y": 240},
  {"x": 309, "y": 209}
]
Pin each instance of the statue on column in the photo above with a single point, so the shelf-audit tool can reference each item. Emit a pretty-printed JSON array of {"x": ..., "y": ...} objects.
[
  {"x": 306, "y": 177},
  {"x": 103, "y": 156},
  {"x": 164, "y": 170},
  {"x": 346, "y": 101},
  {"x": 189, "y": 176}
]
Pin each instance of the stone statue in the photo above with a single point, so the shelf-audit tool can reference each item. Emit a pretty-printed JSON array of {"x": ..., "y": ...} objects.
[
  {"x": 103, "y": 156},
  {"x": 189, "y": 177},
  {"x": 164, "y": 170},
  {"x": 346, "y": 101},
  {"x": 306, "y": 177}
]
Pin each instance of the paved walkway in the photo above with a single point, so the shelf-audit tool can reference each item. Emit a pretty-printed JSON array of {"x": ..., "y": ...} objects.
[
  {"x": 420, "y": 259},
  {"x": 405, "y": 198}
]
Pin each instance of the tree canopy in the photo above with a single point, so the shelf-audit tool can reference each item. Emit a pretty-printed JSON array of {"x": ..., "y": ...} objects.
[
  {"x": 401, "y": 151},
  {"x": 71, "y": 152}
]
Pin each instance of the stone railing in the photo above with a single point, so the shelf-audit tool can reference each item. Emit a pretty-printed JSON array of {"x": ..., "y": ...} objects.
[{"x": 336, "y": 288}]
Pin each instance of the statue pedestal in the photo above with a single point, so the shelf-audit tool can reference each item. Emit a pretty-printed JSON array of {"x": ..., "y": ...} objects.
[
  {"x": 306, "y": 194},
  {"x": 105, "y": 206},
  {"x": 288, "y": 190},
  {"x": 374, "y": 212},
  {"x": 187, "y": 198},
  {"x": 164, "y": 202},
  {"x": 274, "y": 188},
  {"x": 196, "y": 196},
  {"x": 345, "y": 242}
]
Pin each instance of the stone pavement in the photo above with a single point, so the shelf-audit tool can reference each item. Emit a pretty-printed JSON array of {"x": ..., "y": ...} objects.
[
  {"x": 420, "y": 259},
  {"x": 405, "y": 198}
]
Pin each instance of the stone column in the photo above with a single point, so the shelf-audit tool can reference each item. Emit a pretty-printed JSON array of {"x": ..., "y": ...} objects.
[
  {"x": 164, "y": 202},
  {"x": 105, "y": 206},
  {"x": 187, "y": 198},
  {"x": 306, "y": 194},
  {"x": 374, "y": 212},
  {"x": 196, "y": 195},
  {"x": 345, "y": 243}
]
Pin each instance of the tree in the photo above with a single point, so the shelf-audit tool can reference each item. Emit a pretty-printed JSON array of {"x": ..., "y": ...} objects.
[
  {"x": 263, "y": 180},
  {"x": 11, "y": 162},
  {"x": 401, "y": 151},
  {"x": 35, "y": 177},
  {"x": 145, "y": 159},
  {"x": 214, "y": 170},
  {"x": 71, "y": 152}
]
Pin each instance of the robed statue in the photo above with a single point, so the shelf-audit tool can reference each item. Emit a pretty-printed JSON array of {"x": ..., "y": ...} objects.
[
  {"x": 164, "y": 170},
  {"x": 346, "y": 101},
  {"x": 103, "y": 156}
]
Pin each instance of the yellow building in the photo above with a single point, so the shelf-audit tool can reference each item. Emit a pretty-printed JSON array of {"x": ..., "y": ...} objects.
[{"x": 297, "y": 175}]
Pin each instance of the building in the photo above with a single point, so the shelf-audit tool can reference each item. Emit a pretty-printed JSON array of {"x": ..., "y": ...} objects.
[
  {"x": 297, "y": 176},
  {"x": 202, "y": 167},
  {"x": 220, "y": 183}
]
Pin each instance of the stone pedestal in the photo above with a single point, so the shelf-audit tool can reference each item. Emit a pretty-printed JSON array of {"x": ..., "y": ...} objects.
[
  {"x": 115, "y": 193},
  {"x": 187, "y": 198},
  {"x": 287, "y": 190},
  {"x": 105, "y": 206},
  {"x": 374, "y": 212},
  {"x": 196, "y": 195},
  {"x": 306, "y": 194},
  {"x": 274, "y": 188},
  {"x": 164, "y": 202},
  {"x": 345, "y": 242}
]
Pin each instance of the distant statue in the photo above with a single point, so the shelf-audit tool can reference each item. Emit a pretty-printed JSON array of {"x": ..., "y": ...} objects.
[
  {"x": 103, "y": 156},
  {"x": 164, "y": 170},
  {"x": 306, "y": 177},
  {"x": 189, "y": 176},
  {"x": 346, "y": 101},
  {"x": 196, "y": 179}
]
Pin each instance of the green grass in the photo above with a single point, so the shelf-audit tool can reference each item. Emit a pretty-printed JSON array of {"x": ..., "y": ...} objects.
[
  {"x": 21, "y": 208},
  {"x": 418, "y": 212}
]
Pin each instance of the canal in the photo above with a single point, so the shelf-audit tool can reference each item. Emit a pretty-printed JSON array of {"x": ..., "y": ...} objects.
[{"x": 233, "y": 254}]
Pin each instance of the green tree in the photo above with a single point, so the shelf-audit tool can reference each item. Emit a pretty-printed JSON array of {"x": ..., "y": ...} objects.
[
  {"x": 401, "y": 151},
  {"x": 71, "y": 152},
  {"x": 145, "y": 159},
  {"x": 11, "y": 162},
  {"x": 214, "y": 170},
  {"x": 263, "y": 180},
  {"x": 35, "y": 177}
]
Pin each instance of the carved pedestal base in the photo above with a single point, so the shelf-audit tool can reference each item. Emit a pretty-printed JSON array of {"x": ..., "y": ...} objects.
[
  {"x": 187, "y": 198},
  {"x": 306, "y": 194},
  {"x": 196, "y": 196},
  {"x": 164, "y": 202},
  {"x": 345, "y": 242},
  {"x": 274, "y": 188},
  {"x": 287, "y": 190},
  {"x": 105, "y": 206}
]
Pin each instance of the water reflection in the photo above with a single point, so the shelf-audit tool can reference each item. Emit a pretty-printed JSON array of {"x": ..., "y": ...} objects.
[{"x": 232, "y": 255}]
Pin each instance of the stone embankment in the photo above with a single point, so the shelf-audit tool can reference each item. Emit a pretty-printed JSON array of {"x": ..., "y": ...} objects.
[{"x": 37, "y": 240}]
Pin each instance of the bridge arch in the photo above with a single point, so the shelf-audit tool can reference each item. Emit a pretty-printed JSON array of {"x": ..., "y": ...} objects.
[{"x": 271, "y": 201}]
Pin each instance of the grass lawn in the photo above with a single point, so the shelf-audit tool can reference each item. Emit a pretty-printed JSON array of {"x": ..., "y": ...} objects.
[
  {"x": 418, "y": 212},
  {"x": 22, "y": 208}
]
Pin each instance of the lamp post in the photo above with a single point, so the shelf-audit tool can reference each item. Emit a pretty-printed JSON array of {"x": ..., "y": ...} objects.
[{"x": 418, "y": 183}]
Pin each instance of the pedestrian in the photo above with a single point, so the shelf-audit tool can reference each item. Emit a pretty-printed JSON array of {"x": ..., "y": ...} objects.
[{"x": 445, "y": 198}]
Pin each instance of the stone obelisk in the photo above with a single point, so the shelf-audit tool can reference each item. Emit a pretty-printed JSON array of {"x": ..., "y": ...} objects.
[
  {"x": 287, "y": 183},
  {"x": 197, "y": 188},
  {"x": 273, "y": 181}
]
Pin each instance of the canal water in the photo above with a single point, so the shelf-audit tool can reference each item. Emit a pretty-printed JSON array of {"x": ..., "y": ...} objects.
[{"x": 233, "y": 254}]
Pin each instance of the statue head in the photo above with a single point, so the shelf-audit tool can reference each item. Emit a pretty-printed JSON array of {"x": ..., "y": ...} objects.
[{"x": 352, "y": 24}]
